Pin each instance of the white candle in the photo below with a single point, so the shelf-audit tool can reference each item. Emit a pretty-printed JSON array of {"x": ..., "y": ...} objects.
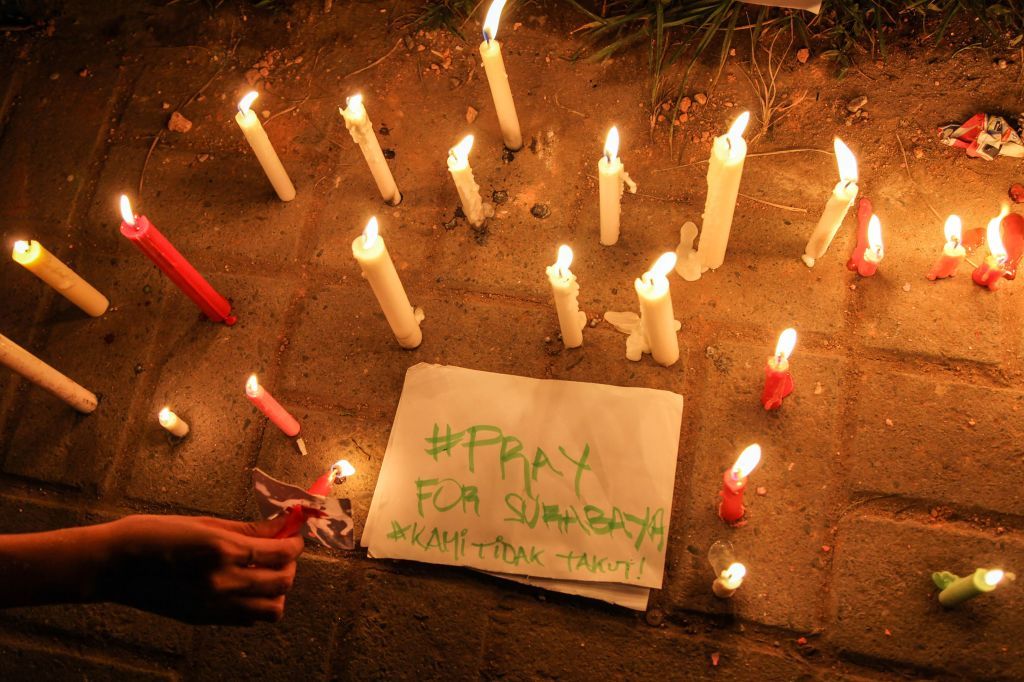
[
  {"x": 372, "y": 255},
  {"x": 497, "y": 77},
  {"x": 612, "y": 180},
  {"x": 257, "y": 137},
  {"x": 725, "y": 170},
  {"x": 465, "y": 184},
  {"x": 173, "y": 423},
  {"x": 837, "y": 207},
  {"x": 361, "y": 130},
  {"x": 656, "y": 316},
  {"x": 54, "y": 272},
  {"x": 729, "y": 580},
  {"x": 38, "y": 372},
  {"x": 566, "y": 290}
]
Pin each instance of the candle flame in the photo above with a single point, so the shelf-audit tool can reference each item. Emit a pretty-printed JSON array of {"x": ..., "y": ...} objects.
[
  {"x": 460, "y": 152},
  {"x": 875, "y": 236},
  {"x": 21, "y": 246},
  {"x": 954, "y": 229},
  {"x": 491, "y": 20},
  {"x": 994, "y": 235},
  {"x": 664, "y": 265},
  {"x": 354, "y": 104},
  {"x": 846, "y": 161},
  {"x": 735, "y": 133},
  {"x": 341, "y": 470},
  {"x": 252, "y": 385},
  {"x": 246, "y": 102},
  {"x": 787, "y": 341},
  {"x": 994, "y": 577},
  {"x": 746, "y": 462},
  {"x": 166, "y": 417},
  {"x": 611, "y": 144},
  {"x": 733, "y": 575},
  {"x": 563, "y": 261},
  {"x": 126, "y": 210},
  {"x": 370, "y": 233}
]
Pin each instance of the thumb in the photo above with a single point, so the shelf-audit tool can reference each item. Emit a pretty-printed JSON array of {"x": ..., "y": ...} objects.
[{"x": 267, "y": 528}]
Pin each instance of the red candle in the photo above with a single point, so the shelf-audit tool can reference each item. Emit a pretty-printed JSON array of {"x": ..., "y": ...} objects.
[
  {"x": 269, "y": 406},
  {"x": 953, "y": 252},
  {"x": 733, "y": 483},
  {"x": 991, "y": 272},
  {"x": 297, "y": 516},
  {"x": 869, "y": 250},
  {"x": 778, "y": 382},
  {"x": 151, "y": 242}
]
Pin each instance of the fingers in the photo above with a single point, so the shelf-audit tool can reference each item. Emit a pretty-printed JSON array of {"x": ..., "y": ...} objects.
[
  {"x": 264, "y": 582},
  {"x": 268, "y": 553},
  {"x": 249, "y": 610},
  {"x": 259, "y": 529}
]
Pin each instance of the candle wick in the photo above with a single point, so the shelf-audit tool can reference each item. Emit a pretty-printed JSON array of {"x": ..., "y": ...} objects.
[{"x": 487, "y": 37}]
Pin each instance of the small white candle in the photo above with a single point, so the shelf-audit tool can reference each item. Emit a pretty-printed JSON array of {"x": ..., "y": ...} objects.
[
  {"x": 173, "y": 423},
  {"x": 47, "y": 267},
  {"x": 612, "y": 180},
  {"x": 38, "y": 372},
  {"x": 656, "y": 316},
  {"x": 257, "y": 137},
  {"x": 465, "y": 184},
  {"x": 361, "y": 130},
  {"x": 843, "y": 196},
  {"x": 729, "y": 580},
  {"x": 725, "y": 170},
  {"x": 378, "y": 269},
  {"x": 497, "y": 77},
  {"x": 566, "y": 290}
]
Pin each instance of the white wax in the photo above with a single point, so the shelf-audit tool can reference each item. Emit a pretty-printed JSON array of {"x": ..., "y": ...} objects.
[
  {"x": 38, "y": 372},
  {"x": 612, "y": 181},
  {"x": 173, "y": 423},
  {"x": 831, "y": 220},
  {"x": 501, "y": 93},
  {"x": 469, "y": 191},
  {"x": 571, "y": 320},
  {"x": 725, "y": 588},
  {"x": 260, "y": 143},
  {"x": 725, "y": 170},
  {"x": 379, "y": 271},
  {"x": 658, "y": 320},
  {"x": 361, "y": 130}
]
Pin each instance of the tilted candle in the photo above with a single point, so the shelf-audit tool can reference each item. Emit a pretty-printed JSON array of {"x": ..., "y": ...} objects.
[
  {"x": 51, "y": 270},
  {"x": 724, "y": 173},
  {"x": 953, "y": 253},
  {"x": 465, "y": 184},
  {"x": 173, "y": 423},
  {"x": 268, "y": 405},
  {"x": 734, "y": 482},
  {"x": 657, "y": 318},
  {"x": 378, "y": 269},
  {"x": 566, "y": 290},
  {"x": 843, "y": 196},
  {"x": 361, "y": 130},
  {"x": 990, "y": 273},
  {"x": 298, "y": 514},
  {"x": 956, "y": 589},
  {"x": 38, "y": 372},
  {"x": 612, "y": 180},
  {"x": 778, "y": 382},
  {"x": 497, "y": 78},
  {"x": 257, "y": 138}
]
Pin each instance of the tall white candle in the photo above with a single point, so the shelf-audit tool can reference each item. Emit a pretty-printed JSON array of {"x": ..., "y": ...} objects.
[
  {"x": 47, "y": 267},
  {"x": 725, "y": 170},
  {"x": 38, "y": 372},
  {"x": 174, "y": 424},
  {"x": 612, "y": 179},
  {"x": 465, "y": 184},
  {"x": 843, "y": 195},
  {"x": 378, "y": 269},
  {"x": 656, "y": 316},
  {"x": 361, "y": 130},
  {"x": 257, "y": 137},
  {"x": 497, "y": 78},
  {"x": 571, "y": 320}
]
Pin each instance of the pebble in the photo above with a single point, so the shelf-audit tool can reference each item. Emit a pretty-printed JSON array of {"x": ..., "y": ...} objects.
[
  {"x": 499, "y": 197},
  {"x": 802, "y": 55},
  {"x": 856, "y": 104},
  {"x": 471, "y": 114},
  {"x": 178, "y": 123},
  {"x": 684, "y": 104},
  {"x": 1001, "y": 63},
  {"x": 540, "y": 211},
  {"x": 906, "y": 287},
  {"x": 655, "y": 617},
  {"x": 818, "y": 390},
  {"x": 762, "y": 491},
  {"x": 701, "y": 98}
]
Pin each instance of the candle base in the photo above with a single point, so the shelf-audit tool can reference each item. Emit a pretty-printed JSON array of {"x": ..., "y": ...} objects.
[
  {"x": 393, "y": 201},
  {"x": 721, "y": 591},
  {"x": 808, "y": 261}
]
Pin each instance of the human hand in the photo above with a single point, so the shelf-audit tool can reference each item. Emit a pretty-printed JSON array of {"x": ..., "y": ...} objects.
[{"x": 200, "y": 569}]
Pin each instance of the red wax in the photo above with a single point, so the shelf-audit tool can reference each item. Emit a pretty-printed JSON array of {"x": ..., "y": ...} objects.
[
  {"x": 1013, "y": 242},
  {"x": 297, "y": 515},
  {"x": 778, "y": 383},
  {"x": 861, "y": 261},
  {"x": 988, "y": 274},
  {"x": 272, "y": 409},
  {"x": 947, "y": 264},
  {"x": 731, "y": 508},
  {"x": 152, "y": 243}
]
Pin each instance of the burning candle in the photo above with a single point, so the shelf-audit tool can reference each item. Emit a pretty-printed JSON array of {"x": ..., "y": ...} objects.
[
  {"x": 361, "y": 130},
  {"x": 257, "y": 138},
  {"x": 151, "y": 242},
  {"x": 955, "y": 589},
  {"x": 724, "y": 173},
  {"x": 497, "y": 78},
  {"x": 729, "y": 580},
  {"x": 272, "y": 410},
  {"x": 778, "y": 382},
  {"x": 734, "y": 481},
  {"x": 953, "y": 252},
  {"x": 566, "y": 290},
  {"x": 612, "y": 180},
  {"x": 465, "y": 184},
  {"x": 657, "y": 319},
  {"x": 843, "y": 196},
  {"x": 991, "y": 271},
  {"x": 336, "y": 475},
  {"x": 51, "y": 270},
  {"x": 378, "y": 269},
  {"x": 38, "y": 372},
  {"x": 868, "y": 254},
  {"x": 173, "y": 423}
]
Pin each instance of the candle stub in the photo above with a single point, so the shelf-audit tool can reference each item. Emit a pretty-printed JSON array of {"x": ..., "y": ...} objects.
[
  {"x": 734, "y": 482},
  {"x": 473, "y": 205},
  {"x": 953, "y": 253},
  {"x": 268, "y": 405},
  {"x": 174, "y": 424},
  {"x": 566, "y": 290},
  {"x": 654, "y": 329}
]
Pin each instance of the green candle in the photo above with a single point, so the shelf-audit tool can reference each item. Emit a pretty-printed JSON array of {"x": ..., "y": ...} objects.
[{"x": 956, "y": 589}]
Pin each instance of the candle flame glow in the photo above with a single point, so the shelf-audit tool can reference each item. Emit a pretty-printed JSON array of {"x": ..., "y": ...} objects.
[
  {"x": 875, "y": 236},
  {"x": 342, "y": 469},
  {"x": 787, "y": 341},
  {"x": 664, "y": 265},
  {"x": 954, "y": 229},
  {"x": 126, "y": 210},
  {"x": 994, "y": 235},
  {"x": 252, "y": 385},
  {"x": 746, "y": 462},
  {"x": 994, "y": 577},
  {"x": 354, "y": 104},
  {"x": 245, "y": 103},
  {"x": 733, "y": 575},
  {"x": 846, "y": 161},
  {"x": 166, "y": 417},
  {"x": 563, "y": 261},
  {"x": 370, "y": 233},
  {"x": 491, "y": 20},
  {"x": 735, "y": 133},
  {"x": 21, "y": 246},
  {"x": 460, "y": 152},
  {"x": 611, "y": 144}
]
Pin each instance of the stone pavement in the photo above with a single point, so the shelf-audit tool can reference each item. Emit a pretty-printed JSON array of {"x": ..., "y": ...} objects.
[{"x": 898, "y": 454}]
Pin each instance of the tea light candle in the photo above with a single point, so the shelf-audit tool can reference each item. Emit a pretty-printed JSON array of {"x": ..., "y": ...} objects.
[
  {"x": 566, "y": 290},
  {"x": 268, "y": 405},
  {"x": 257, "y": 138},
  {"x": 497, "y": 78},
  {"x": 657, "y": 318},
  {"x": 990, "y": 273},
  {"x": 361, "y": 129},
  {"x": 612, "y": 181},
  {"x": 734, "y": 482},
  {"x": 372, "y": 255},
  {"x": 729, "y": 580},
  {"x": 778, "y": 382},
  {"x": 43, "y": 375},
  {"x": 465, "y": 184},
  {"x": 843, "y": 196},
  {"x": 955, "y": 589},
  {"x": 724, "y": 173},
  {"x": 953, "y": 253},
  {"x": 173, "y": 423},
  {"x": 51, "y": 270}
]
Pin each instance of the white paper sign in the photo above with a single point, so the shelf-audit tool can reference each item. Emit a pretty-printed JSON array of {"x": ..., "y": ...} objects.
[{"x": 553, "y": 479}]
